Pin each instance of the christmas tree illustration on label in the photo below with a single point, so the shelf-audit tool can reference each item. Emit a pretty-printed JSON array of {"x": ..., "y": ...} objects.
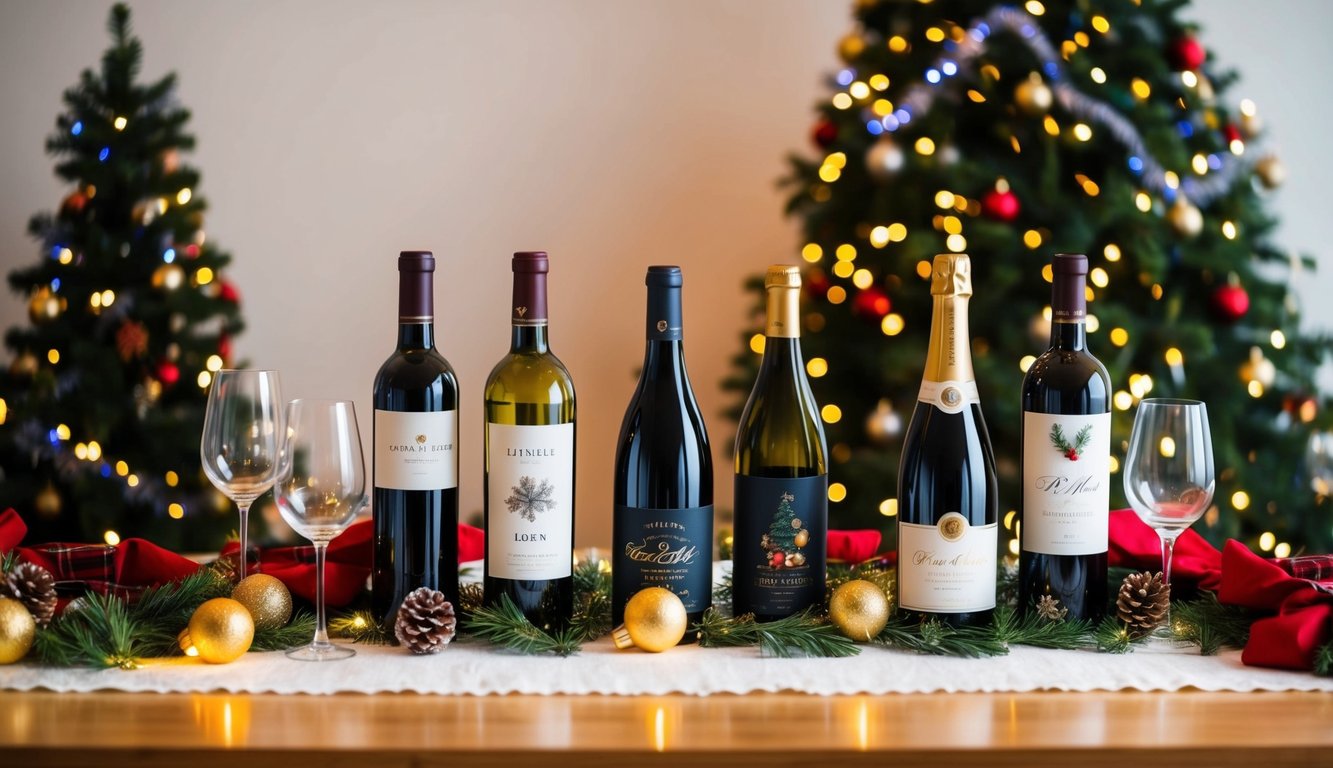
[
  {"x": 786, "y": 536},
  {"x": 529, "y": 498}
]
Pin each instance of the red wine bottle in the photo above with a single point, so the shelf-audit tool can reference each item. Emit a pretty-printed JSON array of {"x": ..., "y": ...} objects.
[
  {"x": 529, "y": 494},
  {"x": 415, "y": 463},
  {"x": 1066, "y": 462},
  {"x": 662, "y": 531},
  {"x": 947, "y": 497}
]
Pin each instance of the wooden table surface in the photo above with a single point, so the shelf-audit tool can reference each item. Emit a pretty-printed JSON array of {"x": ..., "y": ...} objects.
[{"x": 1258, "y": 730}]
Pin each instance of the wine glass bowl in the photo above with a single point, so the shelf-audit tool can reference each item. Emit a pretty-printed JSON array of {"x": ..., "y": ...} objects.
[
  {"x": 1168, "y": 473},
  {"x": 240, "y": 441},
  {"x": 320, "y": 489}
]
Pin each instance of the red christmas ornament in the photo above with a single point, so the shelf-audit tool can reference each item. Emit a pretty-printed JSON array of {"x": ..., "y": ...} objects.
[
  {"x": 1186, "y": 53},
  {"x": 224, "y": 348},
  {"x": 74, "y": 204},
  {"x": 1231, "y": 133},
  {"x": 1001, "y": 205},
  {"x": 168, "y": 373},
  {"x": 824, "y": 134},
  {"x": 1231, "y": 302},
  {"x": 778, "y": 559},
  {"x": 871, "y": 304},
  {"x": 228, "y": 292}
]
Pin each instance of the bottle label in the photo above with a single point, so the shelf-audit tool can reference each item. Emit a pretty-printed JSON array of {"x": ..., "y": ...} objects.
[
  {"x": 949, "y": 396},
  {"x": 1066, "y": 483},
  {"x": 780, "y": 544},
  {"x": 669, "y": 548},
  {"x": 948, "y": 567},
  {"x": 530, "y": 495},
  {"x": 414, "y": 451}
]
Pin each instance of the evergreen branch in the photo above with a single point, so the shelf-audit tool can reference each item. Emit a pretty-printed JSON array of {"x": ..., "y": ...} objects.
[
  {"x": 100, "y": 633},
  {"x": 10, "y": 559},
  {"x": 722, "y": 591},
  {"x": 359, "y": 627},
  {"x": 801, "y": 633},
  {"x": 506, "y": 626},
  {"x": 936, "y": 638},
  {"x": 1083, "y": 437},
  {"x": 592, "y": 615},
  {"x": 296, "y": 633},
  {"x": 1112, "y": 636},
  {"x": 1323, "y": 660},
  {"x": 1207, "y": 623},
  {"x": 1033, "y": 630}
]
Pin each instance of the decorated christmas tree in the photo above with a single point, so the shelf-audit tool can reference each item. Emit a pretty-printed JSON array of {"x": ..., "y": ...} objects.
[
  {"x": 1016, "y": 132},
  {"x": 103, "y": 404},
  {"x": 786, "y": 536}
]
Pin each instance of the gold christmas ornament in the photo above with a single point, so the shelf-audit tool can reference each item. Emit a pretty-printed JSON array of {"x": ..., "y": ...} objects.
[
  {"x": 47, "y": 502},
  {"x": 44, "y": 305},
  {"x": 1270, "y": 171},
  {"x": 655, "y": 620},
  {"x": 884, "y": 424},
  {"x": 851, "y": 47},
  {"x": 884, "y": 159},
  {"x": 859, "y": 610},
  {"x": 168, "y": 277},
  {"x": 1258, "y": 368},
  {"x": 1034, "y": 96},
  {"x": 220, "y": 631},
  {"x": 802, "y": 537},
  {"x": 266, "y": 598},
  {"x": 24, "y": 365},
  {"x": 1250, "y": 123},
  {"x": 17, "y": 630},
  {"x": 1184, "y": 218}
]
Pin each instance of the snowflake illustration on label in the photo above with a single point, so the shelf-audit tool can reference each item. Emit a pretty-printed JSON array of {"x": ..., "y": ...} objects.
[
  {"x": 786, "y": 536},
  {"x": 1070, "y": 450},
  {"x": 530, "y": 498}
]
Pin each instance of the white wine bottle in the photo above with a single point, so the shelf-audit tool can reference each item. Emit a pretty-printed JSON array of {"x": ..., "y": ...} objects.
[
  {"x": 781, "y": 493},
  {"x": 529, "y": 489},
  {"x": 947, "y": 500}
]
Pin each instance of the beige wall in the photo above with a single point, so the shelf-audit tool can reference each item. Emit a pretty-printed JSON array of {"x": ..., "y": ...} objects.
[{"x": 613, "y": 133}]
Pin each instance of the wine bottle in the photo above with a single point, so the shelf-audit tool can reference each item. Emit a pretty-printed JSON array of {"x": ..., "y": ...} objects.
[
  {"x": 415, "y": 464},
  {"x": 662, "y": 532},
  {"x": 1066, "y": 462},
  {"x": 947, "y": 497},
  {"x": 781, "y": 494},
  {"x": 529, "y": 493}
]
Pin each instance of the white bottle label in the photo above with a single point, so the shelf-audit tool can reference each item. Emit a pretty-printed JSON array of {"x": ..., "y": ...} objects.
[
  {"x": 1066, "y": 483},
  {"x": 530, "y": 523},
  {"x": 948, "y": 567},
  {"x": 415, "y": 451},
  {"x": 949, "y": 396}
]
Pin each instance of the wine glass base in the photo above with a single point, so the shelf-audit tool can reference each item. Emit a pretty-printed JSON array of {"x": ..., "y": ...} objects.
[{"x": 321, "y": 653}]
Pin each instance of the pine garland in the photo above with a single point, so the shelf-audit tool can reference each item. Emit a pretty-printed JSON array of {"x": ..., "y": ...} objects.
[
  {"x": 295, "y": 634},
  {"x": 359, "y": 627},
  {"x": 1323, "y": 660},
  {"x": 801, "y": 634},
  {"x": 1207, "y": 623},
  {"x": 505, "y": 625}
]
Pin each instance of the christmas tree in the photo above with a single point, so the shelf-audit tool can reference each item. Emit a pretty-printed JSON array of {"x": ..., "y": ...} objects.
[
  {"x": 1015, "y": 132},
  {"x": 102, "y": 407},
  {"x": 786, "y": 536}
]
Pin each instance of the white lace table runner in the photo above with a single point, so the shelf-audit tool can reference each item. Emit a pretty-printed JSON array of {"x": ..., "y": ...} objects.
[{"x": 478, "y": 669}]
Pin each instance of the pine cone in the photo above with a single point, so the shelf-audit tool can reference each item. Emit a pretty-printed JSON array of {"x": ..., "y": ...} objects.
[
  {"x": 34, "y": 586},
  {"x": 425, "y": 621},
  {"x": 1143, "y": 602}
]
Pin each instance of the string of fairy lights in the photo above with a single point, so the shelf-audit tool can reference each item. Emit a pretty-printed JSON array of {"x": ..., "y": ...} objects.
[
  {"x": 1161, "y": 192},
  {"x": 46, "y": 303}
]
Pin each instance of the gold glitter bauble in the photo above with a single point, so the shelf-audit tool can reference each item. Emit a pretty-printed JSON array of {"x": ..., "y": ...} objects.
[
  {"x": 1034, "y": 96},
  {"x": 655, "y": 620},
  {"x": 44, "y": 305},
  {"x": 859, "y": 610},
  {"x": 1185, "y": 219},
  {"x": 1270, "y": 171},
  {"x": 220, "y": 631},
  {"x": 168, "y": 277},
  {"x": 267, "y": 599},
  {"x": 17, "y": 630}
]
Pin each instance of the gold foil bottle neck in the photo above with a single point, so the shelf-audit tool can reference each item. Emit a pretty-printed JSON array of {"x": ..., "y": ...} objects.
[
  {"x": 782, "y": 283},
  {"x": 952, "y": 275}
]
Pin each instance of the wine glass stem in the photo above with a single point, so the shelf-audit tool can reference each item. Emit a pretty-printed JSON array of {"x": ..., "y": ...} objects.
[
  {"x": 321, "y": 630},
  {"x": 1168, "y": 549},
  {"x": 242, "y": 533}
]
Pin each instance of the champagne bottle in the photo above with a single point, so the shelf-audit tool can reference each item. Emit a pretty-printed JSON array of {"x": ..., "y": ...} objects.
[
  {"x": 1066, "y": 462},
  {"x": 663, "y": 525},
  {"x": 947, "y": 531},
  {"x": 529, "y": 492},
  {"x": 415, "y": 461},
  {"x": 781, "y": 494}
]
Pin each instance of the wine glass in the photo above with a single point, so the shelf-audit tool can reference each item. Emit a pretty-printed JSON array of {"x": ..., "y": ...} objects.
[
  {"x": 239, "y": 447},
  {"x": 1319, "y": 462},
  {"x": 320, "y": 490},
  {"x": 1169, "y": 470}
]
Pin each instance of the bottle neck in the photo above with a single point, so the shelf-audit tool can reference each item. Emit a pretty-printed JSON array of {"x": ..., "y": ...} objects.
[
  {"x": 784, "y": 313},
  {"x": 949, "y": 356},
  {"x": 1069, "y": 311},
  {"x": 416, "y": 310},
  {"x": 529, "y": 313},
  {"x": 1069, "y": 335}
]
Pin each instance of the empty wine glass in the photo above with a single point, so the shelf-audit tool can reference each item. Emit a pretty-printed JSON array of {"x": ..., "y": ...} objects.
[
  {"x": 320, "y": 490},
  {"x": 239, "y": 447},
  {"x": 1169, "y": 470},
  {"x": 1319, "y": 462}
]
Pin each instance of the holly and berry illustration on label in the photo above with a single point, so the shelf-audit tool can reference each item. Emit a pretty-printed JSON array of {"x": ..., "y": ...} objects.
[
  {"x": 786, "y": 536},
  {"x": 530, "y": 498},
  {"x": 1070, "y": 450}
]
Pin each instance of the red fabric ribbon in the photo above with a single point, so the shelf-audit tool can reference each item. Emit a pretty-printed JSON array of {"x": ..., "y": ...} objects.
[
  {"x": 853, "y": 546},
  {"x": 1304, "y": 613},
  {"x": 1135, "y": 545}
]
